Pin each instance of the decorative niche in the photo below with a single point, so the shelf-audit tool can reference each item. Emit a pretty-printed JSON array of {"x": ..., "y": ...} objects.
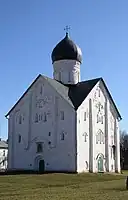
[
  {"x": 20, "y": 118},
  {"x": 100, "y": 137},
  {"x": 40, "y": 117},
  {"x": 100, "y": 112}
]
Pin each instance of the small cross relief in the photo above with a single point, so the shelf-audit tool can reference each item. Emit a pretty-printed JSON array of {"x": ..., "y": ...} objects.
[{"x": 85, "y": 136}]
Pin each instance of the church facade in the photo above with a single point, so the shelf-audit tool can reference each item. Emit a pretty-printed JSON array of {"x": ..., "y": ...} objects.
[{"x": 64, "y": 124}]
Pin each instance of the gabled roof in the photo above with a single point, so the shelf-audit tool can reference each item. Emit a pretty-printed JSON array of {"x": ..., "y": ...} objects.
[
  {"x": 3, "y": 145},
  {"x": 63, "y": 90},
  {"x": 73, "y": 94},
  {"x": 77, "y": 93}
]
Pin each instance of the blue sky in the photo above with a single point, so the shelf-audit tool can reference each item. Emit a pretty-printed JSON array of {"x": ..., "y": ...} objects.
[{"x": 29, "y": 30}]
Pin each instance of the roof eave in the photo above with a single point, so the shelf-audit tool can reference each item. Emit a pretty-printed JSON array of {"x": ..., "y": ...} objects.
[{"x": 110, "y": 96}]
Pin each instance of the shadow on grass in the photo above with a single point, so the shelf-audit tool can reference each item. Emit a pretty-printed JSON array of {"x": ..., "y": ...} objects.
[{"x": 121, "y": 189}]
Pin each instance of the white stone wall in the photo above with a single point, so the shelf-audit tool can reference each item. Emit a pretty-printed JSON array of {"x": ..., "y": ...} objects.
[
  {"x": 60, "y": 155},
  {"x": 98, "y": 101},
  {"x": 67, "y": 71},
  {"x": 111, "y": 141},
  {"x": 100, "y": 137},
  {"x": 83, "y": 137},
  {"x": 3, "y": 158}
]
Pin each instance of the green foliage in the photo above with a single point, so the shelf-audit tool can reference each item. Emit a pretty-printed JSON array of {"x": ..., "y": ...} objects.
[{"x": 63, "y": 186}]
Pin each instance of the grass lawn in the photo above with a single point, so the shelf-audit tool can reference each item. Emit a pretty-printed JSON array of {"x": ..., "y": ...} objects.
[{"x": 63, "y": 186}]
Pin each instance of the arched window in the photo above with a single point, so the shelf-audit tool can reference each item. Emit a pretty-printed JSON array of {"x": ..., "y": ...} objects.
[
  {"x": 100, "y": 137},
  {"x": 39, "y": 147}
]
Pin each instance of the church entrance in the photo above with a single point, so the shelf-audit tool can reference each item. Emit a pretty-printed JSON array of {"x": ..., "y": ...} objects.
[
  {"x": 100, "y": 163},
  {"x": 41, "y": 166}
]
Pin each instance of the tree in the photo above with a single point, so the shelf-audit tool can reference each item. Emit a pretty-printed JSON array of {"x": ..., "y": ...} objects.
[{"x": 123, "y": 148}]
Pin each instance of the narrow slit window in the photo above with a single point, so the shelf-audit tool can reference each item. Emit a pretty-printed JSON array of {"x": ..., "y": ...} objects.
[
  {"x": 41, "y": 90},
  {"x": 45, "y": 117},
  {"x": 99, "y": 92},
  {"x": 85, "y": 116},
  {"x": 20, "y": 119},
  {"x": 62, "y": 136},
  {"x": 86, "y": 135},
  {"x": 62, "y": 115},
  {"x": 19, "y": 139},
  {"x": 36, "y": 118}
]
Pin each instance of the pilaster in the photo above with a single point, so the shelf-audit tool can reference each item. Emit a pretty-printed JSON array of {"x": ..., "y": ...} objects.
[
  {"x": 117, "y": 146},
  {"x": 91, "y": 138},
  {"x": 107, "y": 136}
]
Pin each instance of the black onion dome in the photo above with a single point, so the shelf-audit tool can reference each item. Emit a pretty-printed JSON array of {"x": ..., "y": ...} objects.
[{"x": 66, "y": 49}]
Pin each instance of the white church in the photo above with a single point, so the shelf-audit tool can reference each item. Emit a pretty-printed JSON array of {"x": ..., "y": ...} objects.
[{"x": 64, "y": 124}]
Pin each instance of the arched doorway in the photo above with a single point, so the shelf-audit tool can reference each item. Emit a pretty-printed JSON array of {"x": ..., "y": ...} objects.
[
  {"x": 100, "y": 163},
  {"x": 39, "y": 164}
]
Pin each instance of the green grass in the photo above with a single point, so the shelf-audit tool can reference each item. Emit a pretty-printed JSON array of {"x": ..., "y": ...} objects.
[{"x": 63, "y": 186}]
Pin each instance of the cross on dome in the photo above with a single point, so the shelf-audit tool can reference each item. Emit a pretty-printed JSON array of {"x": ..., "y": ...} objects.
[{"x": 67, "y": 28}]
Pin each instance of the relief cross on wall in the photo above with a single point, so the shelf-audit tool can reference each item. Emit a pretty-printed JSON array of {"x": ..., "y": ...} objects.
[{"x": 100, "y": 112}]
